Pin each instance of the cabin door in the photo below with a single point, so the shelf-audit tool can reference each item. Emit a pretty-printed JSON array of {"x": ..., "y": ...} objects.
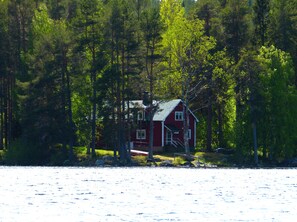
[{"x": 168, "y": 137}]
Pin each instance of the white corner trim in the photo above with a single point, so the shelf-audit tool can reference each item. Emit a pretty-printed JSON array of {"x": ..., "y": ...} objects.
[
  {"x": 162, "y": 134},
  {"x": 195, "y": 123}
]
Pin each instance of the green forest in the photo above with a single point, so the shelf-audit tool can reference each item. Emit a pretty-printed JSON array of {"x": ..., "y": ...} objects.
[{"x": 68, "y": 68}]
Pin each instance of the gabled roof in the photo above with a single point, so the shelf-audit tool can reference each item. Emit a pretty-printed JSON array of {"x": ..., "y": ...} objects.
[{"x": 164, "y": 108}]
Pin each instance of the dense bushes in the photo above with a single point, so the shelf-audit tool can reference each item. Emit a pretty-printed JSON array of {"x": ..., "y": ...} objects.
[{"x": 24, "y": 153}]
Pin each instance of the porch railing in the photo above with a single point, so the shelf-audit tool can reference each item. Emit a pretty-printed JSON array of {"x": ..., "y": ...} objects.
[{"x": 175, "y": 143}]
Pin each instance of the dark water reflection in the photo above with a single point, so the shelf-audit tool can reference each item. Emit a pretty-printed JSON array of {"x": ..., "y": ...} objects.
[{"x": 146, "y": 194}]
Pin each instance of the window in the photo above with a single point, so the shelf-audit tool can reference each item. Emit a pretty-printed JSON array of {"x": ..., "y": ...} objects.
[
  {"x": 189, "y": 134},
  {"x": 140, "y": 115},
  {"x": 179, "y": 116},
  {"x": 140, "y": 134}
]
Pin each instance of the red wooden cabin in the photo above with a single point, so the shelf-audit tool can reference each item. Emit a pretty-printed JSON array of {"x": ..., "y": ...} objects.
[{"x": 168, "y": 126}]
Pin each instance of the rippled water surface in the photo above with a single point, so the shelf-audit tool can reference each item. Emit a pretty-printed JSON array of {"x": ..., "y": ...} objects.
[{"x": 146, "y": 194}]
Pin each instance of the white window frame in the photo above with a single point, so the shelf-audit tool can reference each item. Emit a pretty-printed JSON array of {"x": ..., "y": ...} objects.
[
  {"x": 179, "y": 116},
  {"x": 141, "y": 134},
  {"x": 140, "y": 115}
]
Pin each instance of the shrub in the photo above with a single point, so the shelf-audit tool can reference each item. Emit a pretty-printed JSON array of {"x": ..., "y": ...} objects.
[
  {"x": 24, "y": 153},
  {"x": 58, "y": 156},
  {"x": 1, "y": 156},
  {"x": 178, "y": 161}
]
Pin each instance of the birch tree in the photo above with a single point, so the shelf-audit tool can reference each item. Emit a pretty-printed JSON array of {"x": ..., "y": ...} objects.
[{"x": 186, "y": 51}]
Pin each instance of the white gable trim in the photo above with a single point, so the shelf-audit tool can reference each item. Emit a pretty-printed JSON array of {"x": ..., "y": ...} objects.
[
  {"x": 174, "y": 109},
  {"x": 192, "y": 113}
]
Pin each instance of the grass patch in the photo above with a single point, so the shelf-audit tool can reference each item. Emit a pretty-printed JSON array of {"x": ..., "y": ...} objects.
[
  {"x": 60, "y": 157},
  {"x": 141, "y": 160},
  {"x": 165, "y": 156},
  {"x": 1, "y": 155},
  {"x": 100, "y": 152},
  {"x": 178, "y": 161},
  {"x": 81, "y": 151},
  {"x": 214, "y": 159},
  {"x": 88, "y": 159}
]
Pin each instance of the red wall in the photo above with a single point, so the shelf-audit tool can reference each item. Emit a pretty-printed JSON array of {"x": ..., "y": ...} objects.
[
  {"x": 137, "y": 142},
  {"x": 157, "y": 134}
]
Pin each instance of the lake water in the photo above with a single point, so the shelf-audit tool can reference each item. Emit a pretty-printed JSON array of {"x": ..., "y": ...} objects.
[{"x": 147, "y": 194}]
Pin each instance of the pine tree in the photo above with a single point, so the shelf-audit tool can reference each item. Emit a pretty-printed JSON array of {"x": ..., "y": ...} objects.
[
  {"x": 282, "y": 28},
  {"x": 90, "y": 38},
  {"x": 151, "y": 28},
  {"x": 261, "y": 20},
  {"x": 3, "y": 70}
]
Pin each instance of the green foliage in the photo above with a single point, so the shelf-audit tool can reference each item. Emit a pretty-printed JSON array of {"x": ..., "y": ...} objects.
[
  {"x": 42, "y": 24},
  {"x": 184, "y": 56},
  {"x": 178, "y": 161},
  {"x": 229, "y": 122},
  {"x": 57, "y": 156},
  {"x": 279, "y": 104},
  {"x": 210, "y": 12},
  {"x": 222, "y": 85},
  {"x": 201, "y": 133},
  {"x": 141, "y": 160},
  {"x": 1, "y": 156},
  {"x": 247, "y": 78},
  {"x": 268, "y": 100},
  {"x": 44, "y": 118},
  {"x": 261, "y": 20},
  {"x": 67, "y": 66},
  {"x": 22, "y": 152},
  {"x": 237, "y": 26},
  {"x": 217, "y": 159},
  {"x": 282, "y": 26}
]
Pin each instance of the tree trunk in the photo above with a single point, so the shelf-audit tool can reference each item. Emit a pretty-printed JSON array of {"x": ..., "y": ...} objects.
[
  {"x": 11, "y": 109},
  {"x": 254, "y": 128},
  {"x": 70, "y": 114},
  {"x": 186, "y": 127},
  {"x": 123, "y": 150},
  {"x": 63, "y": 100},
  {"x": 151, "y": 139},
  {"x": 209, "y": 122},
  {"x": 255, "y": 143},
  {"x": 5, "y": 122},
  {"x": 94, "y": 103},
  {"x": 220, "y": 127},
  {"x": 128, "y": 130},
  {"x": 150, "y": 69},
  {"x": 114, "y": 134},
  {"x": 94, "y": 108},
  {"x": 5, "y": 114},
  {"x": 264, "y": 135},
  {"x": 1, "y": 112}
]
